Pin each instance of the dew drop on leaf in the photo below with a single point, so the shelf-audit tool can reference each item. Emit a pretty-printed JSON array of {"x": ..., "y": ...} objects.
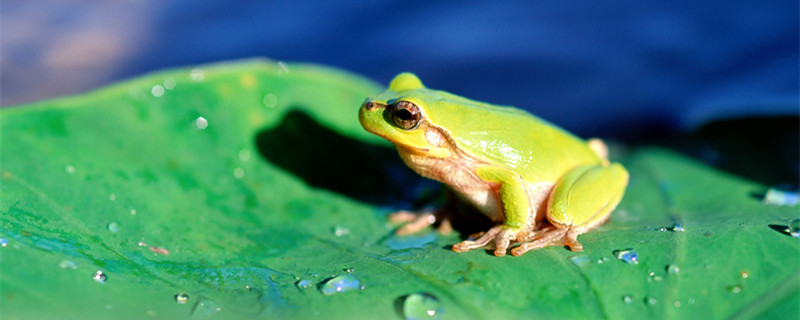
[
  {"x": 201, "y": 123},
  {"x": 627, "y": 255},
  {"x": 204, "y": 309},
  {"x": 67, "y": 264},
  {"x": 581, "y": 261},
  {"x": 182, "y": 298},
  {"x": 778, "y": 197},
  {"x": 339, "y": 284},
  {"x": 627, "y": 299},
  {"x": 673, "y": 269},
  {"x": 157, "y": 90},
  {"x": 422, "y": 305},
  {"x": 650, "y": 301},
  {"x": 270, "y": 100},
  {"x": 794, "y": 228},
  {"x": 340, "y": 231},
  {"x": 100, "y": 276},
  {"x": 304, "y": 284}
]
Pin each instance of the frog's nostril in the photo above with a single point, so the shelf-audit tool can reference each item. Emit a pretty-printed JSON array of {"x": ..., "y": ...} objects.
[{"x": 369, "y": 105}]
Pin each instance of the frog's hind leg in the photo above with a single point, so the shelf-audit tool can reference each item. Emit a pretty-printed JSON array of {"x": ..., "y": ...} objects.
[{"x": 581, "y": 201}]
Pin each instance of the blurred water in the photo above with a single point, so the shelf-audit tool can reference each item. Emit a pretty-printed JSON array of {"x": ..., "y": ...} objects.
[{"x": 593, "y": 67}]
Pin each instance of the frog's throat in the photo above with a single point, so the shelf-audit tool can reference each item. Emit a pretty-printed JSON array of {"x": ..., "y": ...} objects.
[{"x": 438, "y": 143}]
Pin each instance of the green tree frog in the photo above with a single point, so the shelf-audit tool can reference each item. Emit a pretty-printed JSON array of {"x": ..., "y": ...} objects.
[{"x": 540, "y": 184}]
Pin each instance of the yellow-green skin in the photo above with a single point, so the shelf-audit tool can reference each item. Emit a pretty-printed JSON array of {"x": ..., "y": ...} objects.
[{"x": 541, "y": 184}]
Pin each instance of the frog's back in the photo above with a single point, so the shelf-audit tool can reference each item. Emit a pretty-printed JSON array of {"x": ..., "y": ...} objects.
[{"x": 535, "y": 148}]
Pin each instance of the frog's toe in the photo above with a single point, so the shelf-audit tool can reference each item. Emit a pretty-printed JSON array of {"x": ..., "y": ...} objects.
[
  {"x": 403, "y": 216},
  {"x": 479, "y": 242},
  {"x": 416, "y": 221},
  {"x": 571, "y": 240},
  {"x": 550, "y": 236},
  {"x": 503, "y": 240}
]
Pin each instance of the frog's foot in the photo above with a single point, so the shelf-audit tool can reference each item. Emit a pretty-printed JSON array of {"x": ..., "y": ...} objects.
[
  {"x": 502, "y": 236},
  {"x": 416, "y": 221},
  {"x": 550, "y": 236}
]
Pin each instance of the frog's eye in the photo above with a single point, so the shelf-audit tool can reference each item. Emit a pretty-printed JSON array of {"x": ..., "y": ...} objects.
[{"x": 406, "y": 115}]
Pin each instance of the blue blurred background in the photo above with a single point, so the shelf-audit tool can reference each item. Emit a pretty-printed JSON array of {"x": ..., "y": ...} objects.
[{"x": 594, "y": 67}]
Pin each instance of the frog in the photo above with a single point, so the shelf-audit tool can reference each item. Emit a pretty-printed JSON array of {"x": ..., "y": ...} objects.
[{"x": 539, "y": 184}]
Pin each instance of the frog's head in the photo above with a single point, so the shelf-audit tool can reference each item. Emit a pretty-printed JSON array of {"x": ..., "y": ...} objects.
[{"x": 400, "y": 115}]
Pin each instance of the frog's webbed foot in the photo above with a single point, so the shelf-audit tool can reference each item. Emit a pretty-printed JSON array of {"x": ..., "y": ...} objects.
[
  {"x": 550, "y": 236},
  {"x": 416, "y": 221},
  {"x": 502, "y": 236}
]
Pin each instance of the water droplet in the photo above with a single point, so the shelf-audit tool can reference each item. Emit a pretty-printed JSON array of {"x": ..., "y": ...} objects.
[
  {"x": 197, "y": 74},
  {"x": 654, "y": 277},
  {"x": 157, "y": 90},
  {"x": 182, "y": 298},
  {"x": 707, "y": 234},
  {"x": 341, "y": 231},
  {"x": 794, "y": 228},
  {"x": 204, "y": 309},
  {"x": 169, "y": 83},
  {"x": 422, "y": 306},
  {"x": 270, "y": 100},
  {"x": 339, "y": 284},
  {"x": 304, "y": 284},
  {"x": 112, "y": 197},
  {"x": 677, "y": 304},
  {"x": 662, "y": 229},
  {"x": 582, "y": 261},
  {"x": 348, "y": 270},
  {"x": 113, "y": 227},
  {"x": 284, "y": 68},
  {"x": 68, "y": 264},
  {"x": 244, "y": 154},
  {"x": 69, "y": 168},
  {"x": 628, "y": 255},
  {"x": 735, "y": 289},
  {"x": 744, "y": 274},
  {"x": 238, "y": 173},
  {"x": 99, "y": 276},
  {"x": 778, "y": 197},
  {"x": 677, "y": 228},
  {"x": 133, "y": 212},
  {"x": 673, "y": 269},
  {"x": 628, "y": 299},
  {"x": 201, "y": 123},
  {"x": 3, "y": 242},
  {"x": 650, "y": 301}
]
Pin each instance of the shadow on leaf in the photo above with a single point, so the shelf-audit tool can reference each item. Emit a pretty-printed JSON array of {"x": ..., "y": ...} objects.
[{"x": 325, "y": 159}]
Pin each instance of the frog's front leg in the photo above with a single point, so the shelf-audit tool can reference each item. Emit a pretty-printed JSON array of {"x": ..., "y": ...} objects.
[
  {"x": 517, "y": 211},
  {"x": 580, "y": 201}
]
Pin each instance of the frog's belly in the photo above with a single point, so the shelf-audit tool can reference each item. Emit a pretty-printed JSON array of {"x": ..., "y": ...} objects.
[
  {"x": 488, "y": 201},
  {"x": 458, "y": 174}
]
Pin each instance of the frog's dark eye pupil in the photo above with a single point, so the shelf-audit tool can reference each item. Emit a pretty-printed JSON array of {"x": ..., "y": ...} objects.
[
  {"x": 403, "y": 114},
  {"x": 406, "y": 115}
]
